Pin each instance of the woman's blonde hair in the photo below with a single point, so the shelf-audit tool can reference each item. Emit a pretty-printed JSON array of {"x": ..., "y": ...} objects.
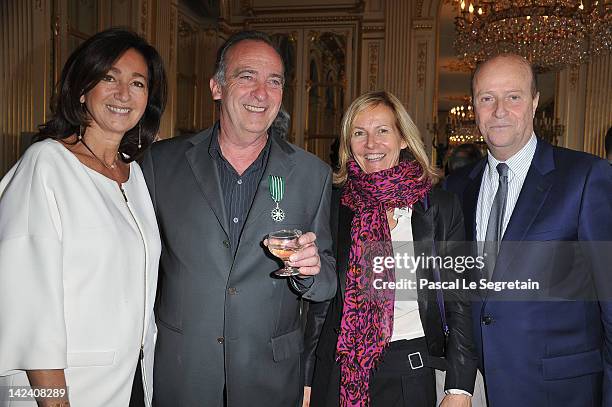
[{"x": 408, "y": 132}]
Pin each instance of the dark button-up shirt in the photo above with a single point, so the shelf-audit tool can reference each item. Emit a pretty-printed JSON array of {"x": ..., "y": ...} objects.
[{"x": 238, "y": 190}]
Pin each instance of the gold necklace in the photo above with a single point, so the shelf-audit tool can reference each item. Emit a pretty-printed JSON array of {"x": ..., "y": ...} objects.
[{"x": 110, "y": 167}]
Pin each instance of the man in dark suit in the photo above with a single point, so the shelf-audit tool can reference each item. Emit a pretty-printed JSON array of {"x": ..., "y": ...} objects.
[
  {"x": 548, "y": 213},
  {"x": 230, "y": 331}
]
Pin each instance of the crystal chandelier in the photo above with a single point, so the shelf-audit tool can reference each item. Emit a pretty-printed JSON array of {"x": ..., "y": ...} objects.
[
  {"x": 461, "y": 124},
  {"x": 463, "y": 113},
  {"x": 552, "y": 34}
]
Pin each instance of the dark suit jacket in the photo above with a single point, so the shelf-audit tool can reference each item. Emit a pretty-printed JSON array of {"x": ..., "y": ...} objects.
[
  {"x": 538, "y": 352},
  {"x": 443, "y": 222},
  {"x": 224, "y": 320}
]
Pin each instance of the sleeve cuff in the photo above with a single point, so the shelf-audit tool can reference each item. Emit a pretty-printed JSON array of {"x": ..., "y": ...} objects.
[
  {"x": 457, "y": 391},
  {"x": 300, "y": 284}
]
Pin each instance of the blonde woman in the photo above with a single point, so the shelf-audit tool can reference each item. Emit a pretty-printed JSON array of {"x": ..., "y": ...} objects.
[{"x": 380, "y": 347}]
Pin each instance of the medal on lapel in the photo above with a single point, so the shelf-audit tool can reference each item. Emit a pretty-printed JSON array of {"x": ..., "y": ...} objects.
[{"x": 277, "y": 190}]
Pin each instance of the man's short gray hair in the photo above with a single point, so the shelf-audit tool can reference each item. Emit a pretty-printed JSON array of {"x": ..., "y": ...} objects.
[{"x": 221, "y": 65}]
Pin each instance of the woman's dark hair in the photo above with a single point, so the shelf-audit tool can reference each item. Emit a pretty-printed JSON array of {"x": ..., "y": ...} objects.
[{"x": 85, "y": 67}]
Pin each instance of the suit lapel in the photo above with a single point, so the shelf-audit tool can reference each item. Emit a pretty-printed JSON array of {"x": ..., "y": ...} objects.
[
  {"x": 422, "y": 223},
  {"x": 530, "y": 201},
  {"x": 280, "y": 163},
  {"x": 533, "y": 194},
  {"x": 207, "y": 175},
  {"x": 423, "y": 236}
]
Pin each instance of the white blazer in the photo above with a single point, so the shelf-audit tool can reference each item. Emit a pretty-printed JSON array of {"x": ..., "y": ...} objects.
[{"x": 78, "y": 273}]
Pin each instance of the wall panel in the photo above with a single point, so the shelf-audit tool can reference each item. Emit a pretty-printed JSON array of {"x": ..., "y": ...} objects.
[
  {"x": 598, "y": 112},
  {"x": 165, "y": 28},
  {"x": 24, "y": 73},
  {"x": 397, "y": 64}
]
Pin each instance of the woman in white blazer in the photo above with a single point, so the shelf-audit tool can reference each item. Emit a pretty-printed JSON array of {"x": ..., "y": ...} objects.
[{"x": 79, "y": 244}]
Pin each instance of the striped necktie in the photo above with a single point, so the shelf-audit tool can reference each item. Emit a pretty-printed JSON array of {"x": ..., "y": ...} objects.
[{"x": 495, "y": 225}]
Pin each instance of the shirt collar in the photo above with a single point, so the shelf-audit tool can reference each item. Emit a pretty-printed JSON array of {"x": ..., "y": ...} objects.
[
  {"x": 214, "y": 149},
  {"x": 405, "y": 212},
  {"x": 215, "y": 152},
  {"x": 517, "y": 162}
]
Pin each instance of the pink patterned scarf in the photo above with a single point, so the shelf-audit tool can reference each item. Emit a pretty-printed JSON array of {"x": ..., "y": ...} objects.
[{"x": 367, "y": 317}]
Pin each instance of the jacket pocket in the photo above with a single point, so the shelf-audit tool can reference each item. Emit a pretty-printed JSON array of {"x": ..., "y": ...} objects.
[
  {"x": 85, "y": 359},
  {"x": 170, "y": 294},
  {"x": 287, "y": 345},
  {"x": 575, "y": 365},
  {"x": 553, "y": 234},
  {"x": 161, "y": 323}
]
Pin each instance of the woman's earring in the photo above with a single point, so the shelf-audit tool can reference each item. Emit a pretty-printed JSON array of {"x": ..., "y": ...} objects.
[
  {"x": 80, "y": 136},
  {"x": 139, "y": 140}
]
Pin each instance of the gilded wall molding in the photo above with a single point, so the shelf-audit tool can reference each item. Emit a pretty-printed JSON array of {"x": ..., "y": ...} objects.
[
  {"x": 598, "y": 107},
  {"x": 185, "y": 29},
  {"x": 574, "y": 74},
  {"x": 173, "y": 20},
  {"x": 373, "y": 28},
  {"x": 457, "y": 66},
  {"x": 226, "y": 29},
  {"x": 421, "y": 64},
  {"x": 144, "y": 14},
  {"x": 312, "y": 19},
  {"x": 398, "y": 65},
  {"x": 431, "y": 8},
  {"x": 373, "y": 63},
  {"x": 422, "y": 24},
  {"x": 419, "y": 8},
  {"x": 248, "y": 8},
  {"x": 25, "y": 66}
]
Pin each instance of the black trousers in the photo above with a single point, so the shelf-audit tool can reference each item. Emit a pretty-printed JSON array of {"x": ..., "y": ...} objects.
[
  {"x": 396, "y": 383},
  {"x": 137, "y": 398}
]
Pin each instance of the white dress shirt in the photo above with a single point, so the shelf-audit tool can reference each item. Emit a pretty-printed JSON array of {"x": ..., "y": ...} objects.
[{"x": 518, "y": 166}]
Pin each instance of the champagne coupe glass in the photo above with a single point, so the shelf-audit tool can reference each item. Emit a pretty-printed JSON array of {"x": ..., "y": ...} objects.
[{"x": 282, "y": 244}]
